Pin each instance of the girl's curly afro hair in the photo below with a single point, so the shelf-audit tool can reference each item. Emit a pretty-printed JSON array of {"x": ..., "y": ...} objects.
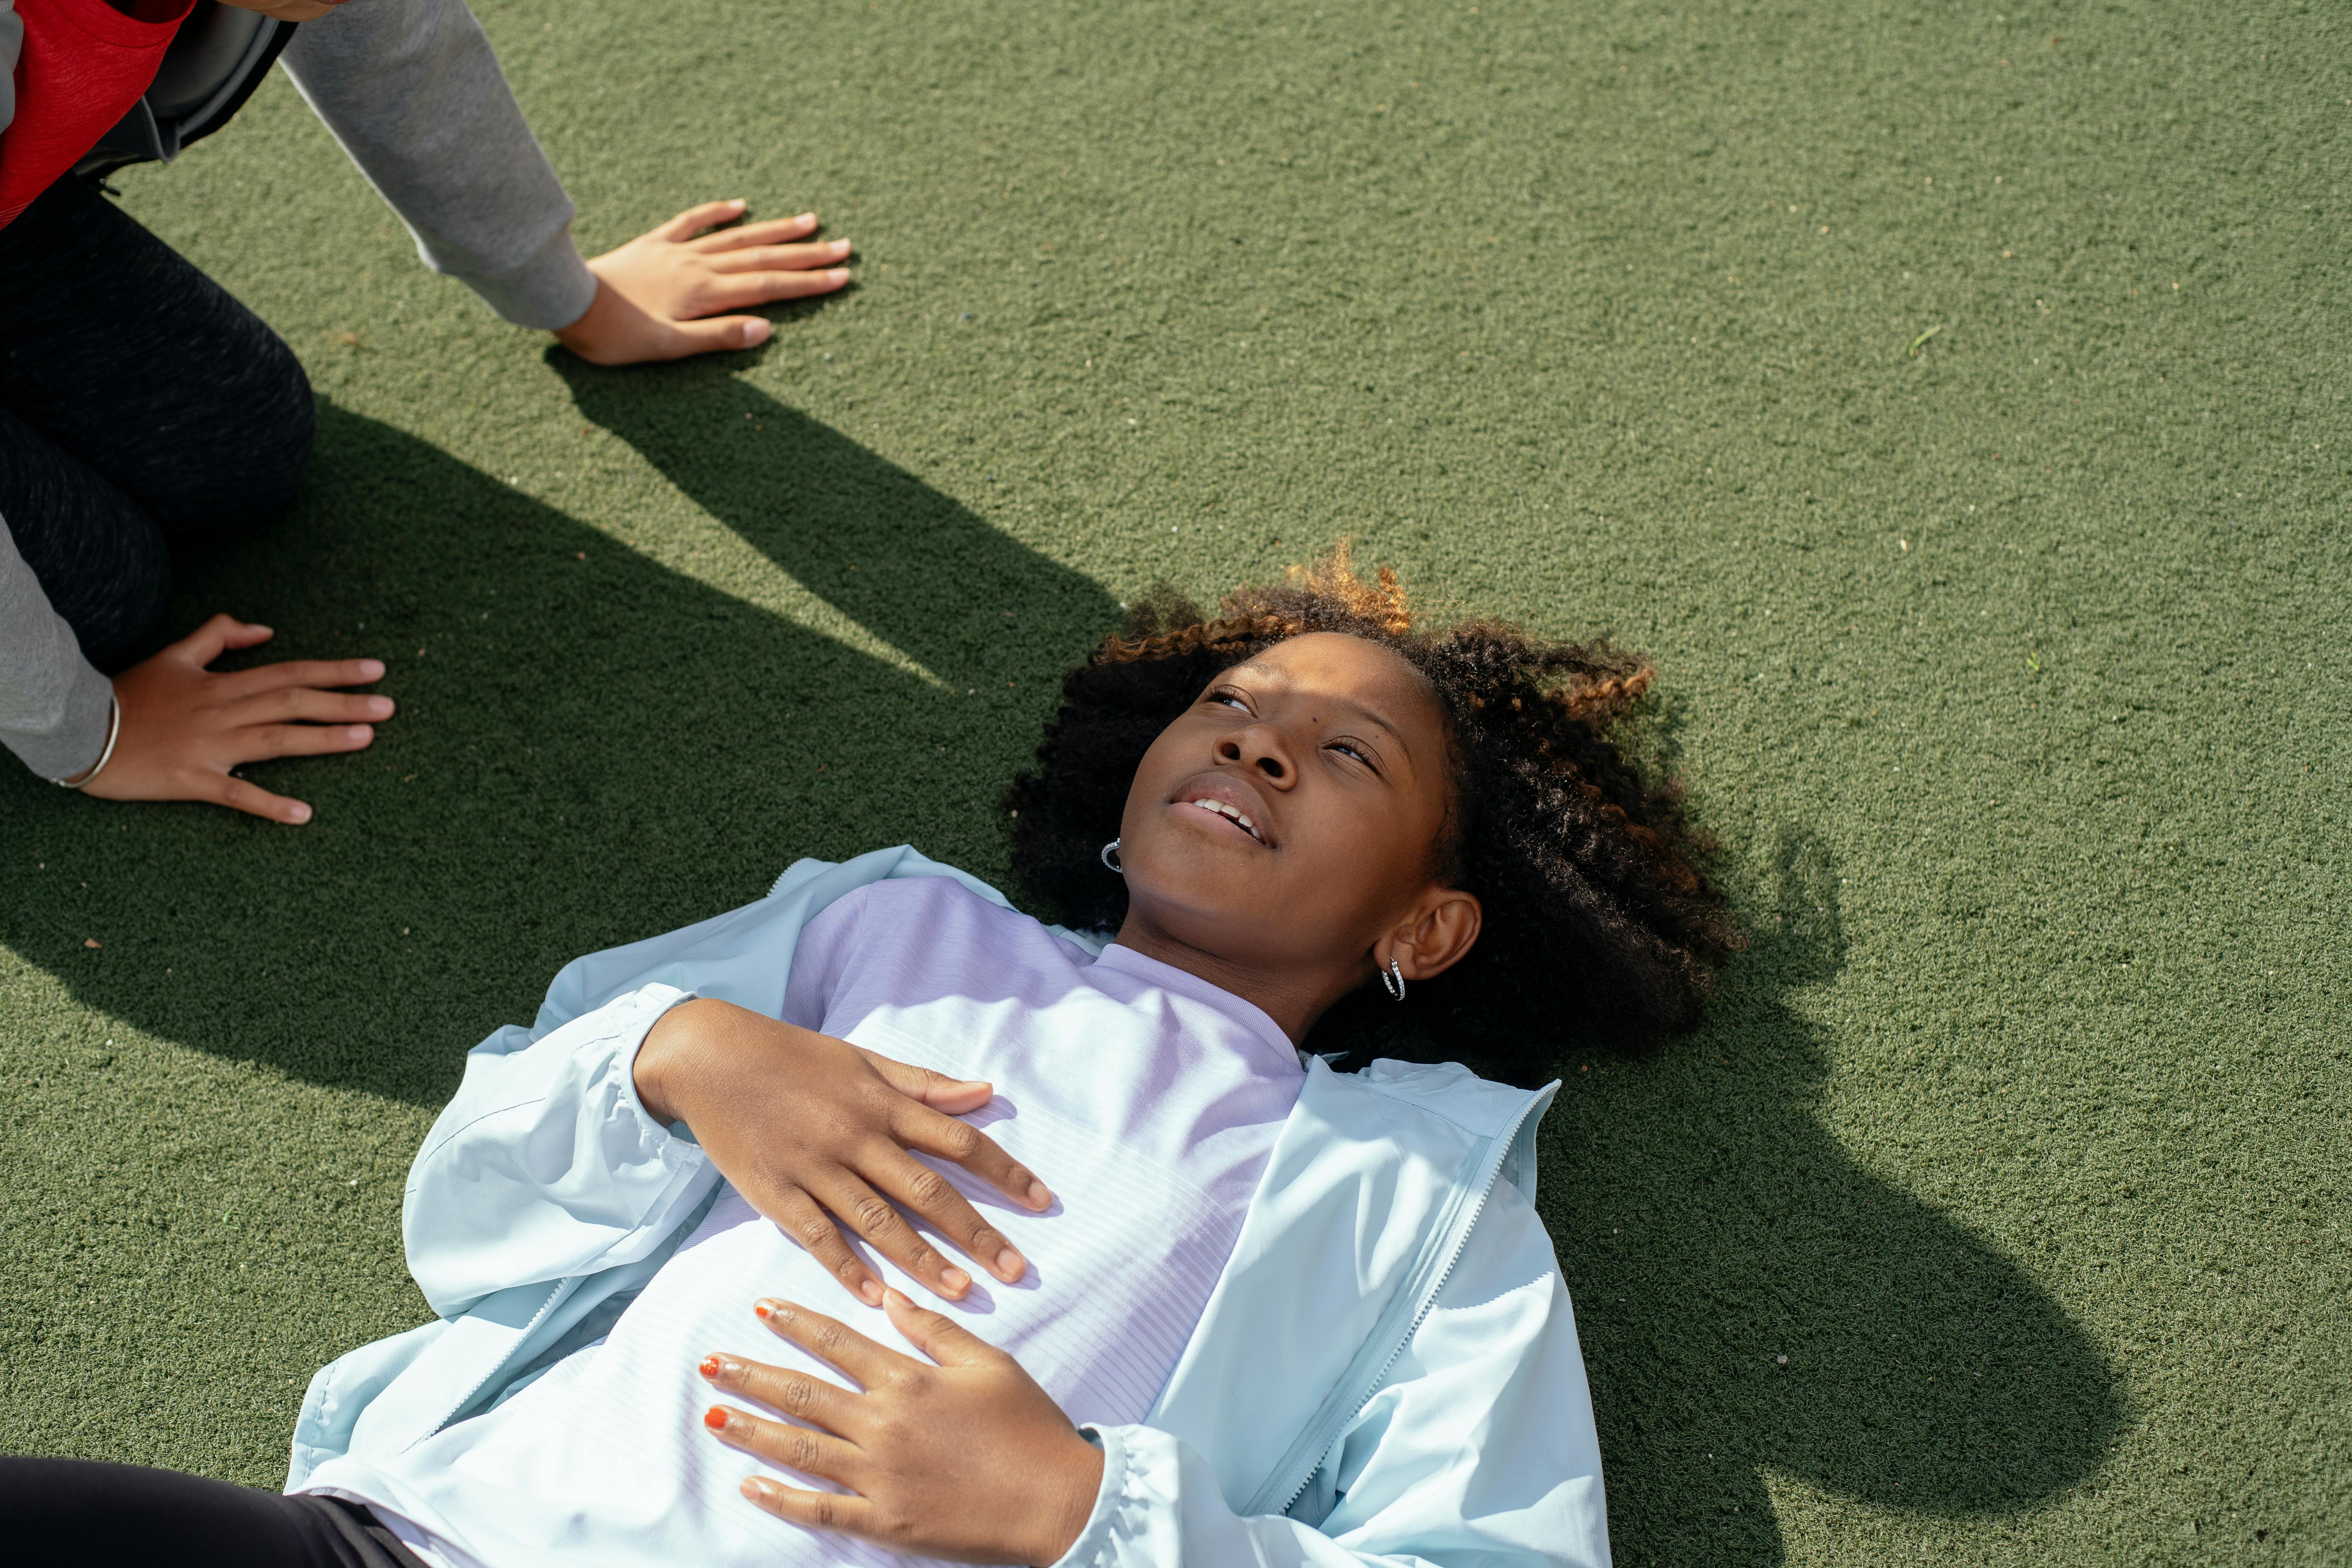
[{"x": 1599, "y": 918}]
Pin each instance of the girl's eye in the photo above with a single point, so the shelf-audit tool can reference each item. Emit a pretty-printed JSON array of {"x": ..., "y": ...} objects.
[
  {"x": 1351, "y": 751},
  {"x": 1231, "y": 700}
]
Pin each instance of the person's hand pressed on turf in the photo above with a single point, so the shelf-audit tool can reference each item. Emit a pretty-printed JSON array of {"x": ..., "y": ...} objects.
[
  {"x": 812, "y": 1130},
  {"x": 185, "y": 727},
  {"x": 663, "y": 295},
  {"x": 968, "y": 1460}
]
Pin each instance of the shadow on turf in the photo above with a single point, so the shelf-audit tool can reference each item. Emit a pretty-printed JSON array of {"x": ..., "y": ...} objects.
[
  {"x": 591, "y": 747},
  {"x": 1709, "y": 1223},
  {"x": 887, "y": 550}
]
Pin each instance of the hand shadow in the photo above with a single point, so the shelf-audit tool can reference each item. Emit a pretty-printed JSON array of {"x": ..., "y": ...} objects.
[
  {"x": 591, "y": 747},
  {"x": 1709, "y": 1223},
  {"x": 903, "y": 560}
]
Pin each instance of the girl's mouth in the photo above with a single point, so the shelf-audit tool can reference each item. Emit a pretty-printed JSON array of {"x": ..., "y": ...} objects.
[{"x": 1232, "y": 813}]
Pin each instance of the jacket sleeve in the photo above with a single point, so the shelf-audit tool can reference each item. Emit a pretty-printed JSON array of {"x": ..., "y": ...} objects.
[
  {"x": 12, "y": 43},
  {"x": 546, "y": 1165},
  {"x": 1478, "y": 1449},
  {"x": 413, "y": 91},
  {"x": 54, "y": 708}
]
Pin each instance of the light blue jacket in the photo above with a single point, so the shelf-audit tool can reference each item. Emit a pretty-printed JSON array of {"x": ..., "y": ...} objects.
[{"x": 1386, "y": 1373}]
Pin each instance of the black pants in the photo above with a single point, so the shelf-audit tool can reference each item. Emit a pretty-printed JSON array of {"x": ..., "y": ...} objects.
[
  {"x": 139, "y": 403},
  {"x": 79, "y": 1512}
]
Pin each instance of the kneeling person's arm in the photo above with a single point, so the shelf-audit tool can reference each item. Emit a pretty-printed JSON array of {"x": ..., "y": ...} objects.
[{"x": 414, "y": 92}]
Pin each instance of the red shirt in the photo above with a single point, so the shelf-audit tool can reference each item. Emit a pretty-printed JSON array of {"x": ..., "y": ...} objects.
[{"x": 84, "y": 65}]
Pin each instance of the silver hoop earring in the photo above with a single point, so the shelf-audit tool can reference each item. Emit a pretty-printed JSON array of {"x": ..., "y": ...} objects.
[
  {"x": 1396, "y": 990},
  {"x": 1108, "y": 851}
]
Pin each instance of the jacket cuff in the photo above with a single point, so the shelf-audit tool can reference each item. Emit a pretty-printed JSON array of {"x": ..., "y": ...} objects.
[
  {"x": 673, "y": 1148},
  {"x": 551, "y": 290},
  {"x": 656, "y": 999},
  {"x": 71, "y": 740},
  {"x": 1130, "y": 1521}
]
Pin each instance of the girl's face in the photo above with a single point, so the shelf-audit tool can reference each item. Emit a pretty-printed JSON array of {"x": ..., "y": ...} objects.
[{"x": 1284, "y": 829}]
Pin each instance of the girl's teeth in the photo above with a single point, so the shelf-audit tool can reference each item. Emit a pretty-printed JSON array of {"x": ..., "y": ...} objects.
[{"x": 1222, "y": 809}]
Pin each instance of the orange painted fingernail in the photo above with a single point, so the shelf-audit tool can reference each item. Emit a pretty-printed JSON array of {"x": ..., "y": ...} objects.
[
  {"x": 761, "y": 1311},
  {"x": 710, "y": 1366},
  {"x": 715, "y": 1418}
]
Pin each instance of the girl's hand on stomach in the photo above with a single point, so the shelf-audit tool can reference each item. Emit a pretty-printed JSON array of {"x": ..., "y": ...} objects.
[
  {"x": 967, "y": 1459},
  {"x": 812, "y": 1130}
]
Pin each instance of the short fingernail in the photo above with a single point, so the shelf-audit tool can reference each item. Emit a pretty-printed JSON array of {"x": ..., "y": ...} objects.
[
  {"x": 755, "y": 334},
  {"x": 763, "y": 1310},
  {"x": 1010, "y": 1264},
  {"x": 370, "y": 668},
  {"x": 837, "y": 274},
  {"x": 1038, "y": 1196},
  {"x": 805, "y": 217},
  {"x": 298, "y": 813},
  {"x": 715, "y": 1418},
  {"x": 955, "y": 1278},
  {"x": 358, "y": 734},
  {"x": 872, "y": 1292},
  {"x": 379, "y": 706},
  {"x": 841, "y": 246},
  {"x": 711, "y": 1365}
]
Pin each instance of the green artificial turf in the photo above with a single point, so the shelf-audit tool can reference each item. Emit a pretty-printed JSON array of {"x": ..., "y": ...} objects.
[{"x": 2008, "y": 663}]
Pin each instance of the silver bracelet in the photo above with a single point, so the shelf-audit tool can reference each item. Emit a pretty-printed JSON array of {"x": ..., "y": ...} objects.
[{"x": 113, "y": 733}]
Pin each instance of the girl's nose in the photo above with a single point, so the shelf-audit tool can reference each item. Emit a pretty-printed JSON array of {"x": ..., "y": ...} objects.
[{"x": 1259, "y": 748}]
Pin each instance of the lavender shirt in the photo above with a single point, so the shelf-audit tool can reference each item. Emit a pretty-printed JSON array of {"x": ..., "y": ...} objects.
[{"x": 1146, "y": 1099}]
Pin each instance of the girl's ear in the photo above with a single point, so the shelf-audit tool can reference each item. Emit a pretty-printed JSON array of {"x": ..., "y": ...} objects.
[{"x": 1443, "y": 927}]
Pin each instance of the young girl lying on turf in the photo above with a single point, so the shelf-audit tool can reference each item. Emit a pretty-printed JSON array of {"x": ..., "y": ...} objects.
[{"x": 1270, "y": 1311}]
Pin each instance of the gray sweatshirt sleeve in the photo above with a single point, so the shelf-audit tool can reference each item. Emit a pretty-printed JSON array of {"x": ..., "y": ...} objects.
[
  {"x": 411, "y": 91},
  {"x": 54, "y": 708},
  {"x": 12, "y": 43}
]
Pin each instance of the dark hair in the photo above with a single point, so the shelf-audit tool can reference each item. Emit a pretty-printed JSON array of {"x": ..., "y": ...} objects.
[{"x": 1600, "y": 921}]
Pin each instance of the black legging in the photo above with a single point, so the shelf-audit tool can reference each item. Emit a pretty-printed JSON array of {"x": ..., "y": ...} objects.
[
  {"x": 139, "y": 403},
  {"x": 78, "y": 1511}
]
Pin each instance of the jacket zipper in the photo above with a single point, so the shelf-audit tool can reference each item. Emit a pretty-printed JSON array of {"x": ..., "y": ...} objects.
[
  {"x": 1504, "y": 1142},
  {"x": 558, "y": 1293}
]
